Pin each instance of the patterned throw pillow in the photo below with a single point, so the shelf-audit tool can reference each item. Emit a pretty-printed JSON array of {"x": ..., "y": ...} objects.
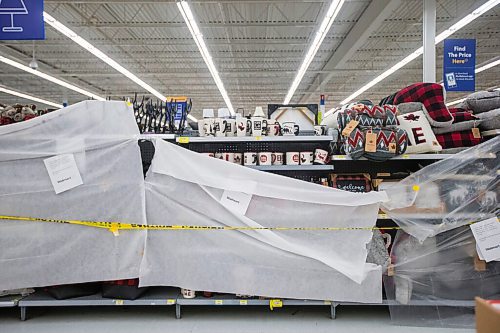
[
  {"x": 457, "y": 139},
  {"x": 432, "y": 96},
  {"x": 354, "y": 145},
  {"x": 420, "y": 135}
]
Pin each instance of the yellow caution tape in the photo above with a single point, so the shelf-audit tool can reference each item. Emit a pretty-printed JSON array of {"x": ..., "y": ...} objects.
[{"x": 114, "y": 227}]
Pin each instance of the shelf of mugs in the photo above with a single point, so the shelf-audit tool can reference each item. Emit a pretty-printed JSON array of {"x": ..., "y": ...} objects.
[
  {"x": 284, "y": 138},
  {"x": 311, "y": 167},
  {"x": 157, "y": 136}
]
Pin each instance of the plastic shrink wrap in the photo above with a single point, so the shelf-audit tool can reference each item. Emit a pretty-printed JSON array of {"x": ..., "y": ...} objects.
[{"x": 436, "y": 272}]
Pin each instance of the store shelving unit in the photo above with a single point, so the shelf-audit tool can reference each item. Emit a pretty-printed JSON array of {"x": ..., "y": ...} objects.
[
  {"x": 159, "y": 296},
  {"x": 9, "y": 301},
  {"x": 292, "y": 167},
  {"x": 232, "y": 139}
]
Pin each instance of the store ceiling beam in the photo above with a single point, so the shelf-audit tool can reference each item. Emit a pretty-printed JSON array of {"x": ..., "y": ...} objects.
[
  {"x": 134, "y": 2},
  {"x": 371, "y": 19}
]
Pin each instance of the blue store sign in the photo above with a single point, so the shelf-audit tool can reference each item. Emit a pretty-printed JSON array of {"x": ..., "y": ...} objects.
[
  {"x": 459, "y": 64},
  {"x": 21, "y": 20}
]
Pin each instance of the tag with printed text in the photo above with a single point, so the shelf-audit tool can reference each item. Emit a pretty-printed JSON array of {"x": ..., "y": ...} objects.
[{"x": 63, "y": 172}]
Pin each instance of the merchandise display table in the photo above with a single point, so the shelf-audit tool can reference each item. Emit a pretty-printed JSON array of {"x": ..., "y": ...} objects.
[{"x": 160, "y": 296}]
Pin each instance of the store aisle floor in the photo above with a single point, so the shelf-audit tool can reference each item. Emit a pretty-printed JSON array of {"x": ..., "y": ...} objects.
[{"x": 205, "y": 319}]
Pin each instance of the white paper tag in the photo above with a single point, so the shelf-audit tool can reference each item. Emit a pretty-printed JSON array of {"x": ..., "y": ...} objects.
[
  {"x": 236, "y": 201},
  {"x": 487, "y": 235},
  {"x": 63, "y": 172}
]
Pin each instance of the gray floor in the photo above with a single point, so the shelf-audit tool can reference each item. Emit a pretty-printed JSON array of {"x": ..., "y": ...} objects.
[{"x": 205, "y": 319}]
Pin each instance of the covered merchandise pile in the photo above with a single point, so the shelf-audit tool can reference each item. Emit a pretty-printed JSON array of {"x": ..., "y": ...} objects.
[
  {"x": 77, "y": 208},
  {"x": 185, "y": 187}
]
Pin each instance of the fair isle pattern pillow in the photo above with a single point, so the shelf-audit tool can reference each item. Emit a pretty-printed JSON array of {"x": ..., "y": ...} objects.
[{"x": 421, "y": 138}]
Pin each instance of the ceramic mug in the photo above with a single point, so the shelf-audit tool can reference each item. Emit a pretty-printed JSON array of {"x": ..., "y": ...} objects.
[
  {"x": 259, "y": 126},
  {"x": 238, "y": 158},
  {"x": 274, "y": 129},
  {"x": 250, "y": 158},
  {"x": 290, "y": 128},
  {"x": 231, "y": 127},
  {"x": 319, "y": 130},
  {"x": 220, "y": 127},
  {"x": 241, "y": 126},
  {"x": 206, "y": 127},
  {"x": 293, "y": 158},
  {"x": 321, "y": 156},
  {"x": 220, "y": 156},
  {"x": 265, "y": 158},
  {"x": 229, "y": 157},
  {"x": 306, "y": 157},
  {"x": 277, "y": 158},
  {"x": 188, "y": 293}
]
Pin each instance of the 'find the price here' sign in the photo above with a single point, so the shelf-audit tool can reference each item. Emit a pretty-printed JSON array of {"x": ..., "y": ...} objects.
[{"x": 459, "y": 64}]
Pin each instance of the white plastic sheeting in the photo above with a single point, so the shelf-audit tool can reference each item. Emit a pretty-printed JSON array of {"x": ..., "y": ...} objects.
[
  {"x": 185, "y": 188},
  {"x": 101, "y": 135},
  {"x": 461, "y": 189}
]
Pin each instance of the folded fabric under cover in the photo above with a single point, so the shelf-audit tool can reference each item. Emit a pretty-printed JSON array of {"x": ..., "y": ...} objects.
[
  {"x": 101, "y": 137},
  {"x": 186, "y": 187}
]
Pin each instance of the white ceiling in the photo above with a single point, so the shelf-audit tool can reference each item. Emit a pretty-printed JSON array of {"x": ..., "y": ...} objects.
[{"x": 257, "y": 47}]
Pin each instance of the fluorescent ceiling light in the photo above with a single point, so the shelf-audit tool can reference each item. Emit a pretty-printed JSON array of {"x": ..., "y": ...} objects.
[
  {"x": 487, "y": 66},
  {"x": 31, "y": 98},
  {"x": 188, "y": 16},
  {"x": 439, "y": 38},
  {"x": 50, "y": 78},
  {"x": 320, "y": 35},
  {"x": 99, "y": 54}
]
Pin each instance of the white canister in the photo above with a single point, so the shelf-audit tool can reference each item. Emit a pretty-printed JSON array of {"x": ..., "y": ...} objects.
[
  {"x": 250, "y": 158},
  {"x": 277, "y": 158},
  {"x": 292, "y": 158},
  {"x": 265, "y": 158}
]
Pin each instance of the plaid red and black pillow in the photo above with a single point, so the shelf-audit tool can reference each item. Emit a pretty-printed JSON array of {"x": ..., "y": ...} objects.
[
  {"x": 457, "y": 139},
  {"x": 432, "y": 96}
]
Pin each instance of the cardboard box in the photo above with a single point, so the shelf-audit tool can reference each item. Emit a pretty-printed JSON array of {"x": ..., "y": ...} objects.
[{"x": 487, "y": 316}]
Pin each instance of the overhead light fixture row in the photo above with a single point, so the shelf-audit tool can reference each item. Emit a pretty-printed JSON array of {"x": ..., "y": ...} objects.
[
  {"x": 320, "y": 35},
  {"x": 99, "y": 54},
  {"x": 188, "y": 16},
  {"x": 50, "y": 78},
  {"x": 30, "y": 97},
  {"x": 415, "y": 54}
]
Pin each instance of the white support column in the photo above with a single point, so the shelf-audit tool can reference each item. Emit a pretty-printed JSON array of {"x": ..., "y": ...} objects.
[{"x": 429, "y": 36}]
